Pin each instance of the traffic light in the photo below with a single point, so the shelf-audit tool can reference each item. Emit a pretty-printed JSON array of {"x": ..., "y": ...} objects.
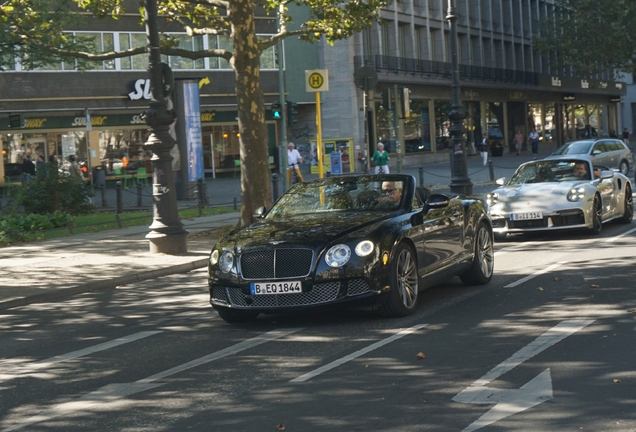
[
  {"x": 277, "y": 112},
  {"x": 292, "y": 112}
]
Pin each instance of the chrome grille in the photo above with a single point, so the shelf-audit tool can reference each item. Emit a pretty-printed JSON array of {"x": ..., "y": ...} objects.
[
  {"x": 321, "y": 293},
  {"x": 357, "y": 287},
  {"x": 276, "y": 264}
]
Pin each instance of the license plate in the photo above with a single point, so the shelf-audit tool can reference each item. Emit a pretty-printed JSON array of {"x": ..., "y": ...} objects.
[
  {"x": 275, "y": 287},
  {"x": 526, "y": 216}
]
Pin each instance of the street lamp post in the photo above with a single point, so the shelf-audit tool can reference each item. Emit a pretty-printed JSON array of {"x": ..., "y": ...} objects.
[
  {"x": 166, "y": 231},
  {"x": 460, "y": 182}
]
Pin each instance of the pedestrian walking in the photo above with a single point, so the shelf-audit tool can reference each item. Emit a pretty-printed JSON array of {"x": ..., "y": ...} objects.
[
  {"x": 483, "y": 148},
  {"x": 381, "y": 159},
  {"x": 293, "y": 159},
  {"x": 534, "y": 142},
  {"x": 626, "y": 136},
  {"x": 518, "y": 140},
  {"x": 74, "y": 169}
]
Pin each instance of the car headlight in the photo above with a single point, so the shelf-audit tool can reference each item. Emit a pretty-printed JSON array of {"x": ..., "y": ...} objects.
[
  {"x": 338, "y": 255},
  {"x": 214, "y": 257},
  {"x": 492, "y": 198},
  {"x": 364, "y": 248},
  {"x": 226, "y": 262},
  {"x": 576, "y": 194}
]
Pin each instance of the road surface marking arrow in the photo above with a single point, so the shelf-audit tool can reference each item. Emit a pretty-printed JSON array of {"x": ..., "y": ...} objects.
[
  {"x": 511, "y": 401},
  {"x": 357, "y": 354},
  {"x": 113, "y": 392}
]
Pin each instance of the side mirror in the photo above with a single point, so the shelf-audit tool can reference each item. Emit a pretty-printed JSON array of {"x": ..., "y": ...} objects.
[
  {"x": 596, "y": 152},
  {"x": 436, "y": 201},
  {"x": 607, "y": 175},
  {"x": 260, "y": 212},
  {"x": 501, "y": 181}
]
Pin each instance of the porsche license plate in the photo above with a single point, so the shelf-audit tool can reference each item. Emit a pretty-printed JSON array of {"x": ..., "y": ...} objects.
[
  {"x": 275, "y": 287},
  {"x": 526, "y": 216}
]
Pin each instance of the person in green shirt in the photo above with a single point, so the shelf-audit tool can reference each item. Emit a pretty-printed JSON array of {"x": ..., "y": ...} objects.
[{"x": 381, "y": 159}]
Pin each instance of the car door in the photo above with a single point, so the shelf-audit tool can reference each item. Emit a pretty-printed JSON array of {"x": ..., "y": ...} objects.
[
  {"x": 599, "y": 153},
  {"x": 612, "y": 150},
  {"x": 608, "y": 190}
]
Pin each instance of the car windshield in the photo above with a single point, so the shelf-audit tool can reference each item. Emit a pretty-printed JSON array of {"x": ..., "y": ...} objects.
[
  {"x": 548, "y": 171},
  {"x": 581, "y": 147},
  {"x": 341, "y": 194}
]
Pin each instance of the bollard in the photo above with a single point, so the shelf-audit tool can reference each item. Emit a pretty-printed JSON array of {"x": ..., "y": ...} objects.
[
  {"x": 120, "y": 201},
  {"x": 328, "y": 174},
  {"x": 235, "y": 204},
  {"x": 139, "y": 191},
  {"x": 274, "y": 187},
  {"x": 103, "y": 190},
  {"x": 200, "y": 186},
  {"x": 420, "y": 171},
  {"x": 492, "y": 170}
]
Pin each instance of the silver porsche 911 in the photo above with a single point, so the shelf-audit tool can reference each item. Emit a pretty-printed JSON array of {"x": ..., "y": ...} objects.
[{"x": 556, "y": 194}]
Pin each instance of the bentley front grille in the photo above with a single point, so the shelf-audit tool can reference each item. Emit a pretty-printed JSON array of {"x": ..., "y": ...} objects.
[
  {"x": 357, "y": 287},
  {"x": 276, "y": 263},
  {"x": 321, "y": 293},
  {"x": 218, "y": 294}
]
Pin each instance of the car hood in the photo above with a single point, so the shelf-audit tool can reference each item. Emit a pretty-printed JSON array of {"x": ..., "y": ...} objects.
[
  {"x": 533, "y": 196},
  {"x": 308, "y": 230}
]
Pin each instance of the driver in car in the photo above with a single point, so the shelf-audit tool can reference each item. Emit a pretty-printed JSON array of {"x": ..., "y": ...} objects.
[
  {"x": 392, "y": 192},
  {"x": 580, "y": 170}
]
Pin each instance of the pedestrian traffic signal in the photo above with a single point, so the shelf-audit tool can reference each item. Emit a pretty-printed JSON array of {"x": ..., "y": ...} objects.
[
  {"x": 292, "y": 112},
  {"x": 277, "y": 112}
]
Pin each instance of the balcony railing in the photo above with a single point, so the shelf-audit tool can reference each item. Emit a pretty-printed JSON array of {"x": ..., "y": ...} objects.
[{"x": 436, "y": 69}]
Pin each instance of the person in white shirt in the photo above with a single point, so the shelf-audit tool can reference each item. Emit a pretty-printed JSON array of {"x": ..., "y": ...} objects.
[
  {"x": 293, "y": 159},
  {"x": 534, "y": 141}
]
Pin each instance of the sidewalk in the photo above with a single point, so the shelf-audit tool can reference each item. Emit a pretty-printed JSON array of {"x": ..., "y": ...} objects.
[{"x": 41, "y": 271}]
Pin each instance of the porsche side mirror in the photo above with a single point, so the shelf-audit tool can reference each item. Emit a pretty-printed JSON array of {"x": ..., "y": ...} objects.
[
  {"x": 259, "y": 213},
  {"x": 607, "y": 175},
  {"x": 501, "y": 181}
]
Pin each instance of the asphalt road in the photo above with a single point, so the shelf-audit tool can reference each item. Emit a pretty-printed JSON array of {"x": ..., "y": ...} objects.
[{"x": 548, "y": 345}]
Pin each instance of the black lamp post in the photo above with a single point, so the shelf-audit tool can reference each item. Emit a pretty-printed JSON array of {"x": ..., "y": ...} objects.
[
  {"x": 460, "y": 182},
  {"x": 166, "y": 231}
]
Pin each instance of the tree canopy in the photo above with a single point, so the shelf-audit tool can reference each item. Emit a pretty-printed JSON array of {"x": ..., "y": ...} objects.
[
  {"x": 591, "y": 35},
  {"x": 36, "y": 33}
]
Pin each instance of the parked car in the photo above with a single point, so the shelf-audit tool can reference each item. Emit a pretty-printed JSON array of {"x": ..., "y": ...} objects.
[
  {"x": 552, "y": 194},
  {"x": 350, "y": 240},
  {"x": 609, "y": 152}
]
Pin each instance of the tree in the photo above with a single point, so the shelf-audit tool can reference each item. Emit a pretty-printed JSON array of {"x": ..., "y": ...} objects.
[
  {"x": 591, "y": 36},
  {"x": 34, "y": 32}
]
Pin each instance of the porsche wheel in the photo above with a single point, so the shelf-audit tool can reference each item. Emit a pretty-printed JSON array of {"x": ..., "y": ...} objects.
[
  {"x": 623, "y": 167},
  {"x": 234, "y": 315},
  {"x": 597, "y": 216},
  {"x": 628, "y": 211},
  {"x": 404, "y": 283},
  {"x": 483, "y": 264}
]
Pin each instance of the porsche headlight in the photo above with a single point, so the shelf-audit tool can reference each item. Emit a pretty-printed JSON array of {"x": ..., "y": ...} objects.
[
  {"x": 338, "y": 255},
  {"x": 226, "y": 261},
  {"x": 214, "y": 257},
  {"x": 364, "y": 248},
  {"x": 492, "y": 198},
  {"x": 576, "y": 194}
]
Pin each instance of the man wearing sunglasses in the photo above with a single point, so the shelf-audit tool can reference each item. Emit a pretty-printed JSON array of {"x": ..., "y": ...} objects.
[{"x": 391, "y": 193}]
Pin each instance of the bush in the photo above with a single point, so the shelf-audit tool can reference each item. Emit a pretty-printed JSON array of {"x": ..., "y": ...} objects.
[
  {"x": 13, "y": 227},
  {"x": 49, "y": 191}
]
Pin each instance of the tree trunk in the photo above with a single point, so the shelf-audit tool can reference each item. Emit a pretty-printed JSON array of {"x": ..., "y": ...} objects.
[{"x": 255, "y": 181}]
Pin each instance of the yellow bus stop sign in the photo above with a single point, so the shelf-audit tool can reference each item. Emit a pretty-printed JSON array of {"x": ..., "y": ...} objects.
[{"x": 316, "y": 80}]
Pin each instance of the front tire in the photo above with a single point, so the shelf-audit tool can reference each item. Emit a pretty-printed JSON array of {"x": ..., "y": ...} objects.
[
  {"x": 236, "y": 316},
  {"x": 628, "y": 211},
  {"x": 404, "y": 283},
  {"x": 597, "y": 216},
  {"x": 481, "y": 270}
]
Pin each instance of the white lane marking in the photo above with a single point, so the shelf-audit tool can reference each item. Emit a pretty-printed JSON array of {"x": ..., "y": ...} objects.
[
  {"x": 24, "y": 369},
  {"x": 534, "y": 275},
  {"x": 113, "y": 392},
  {"x": 613, "y": 239},
  {"x": 510, "y": 401},
  {"x": 357, "y": 354}
]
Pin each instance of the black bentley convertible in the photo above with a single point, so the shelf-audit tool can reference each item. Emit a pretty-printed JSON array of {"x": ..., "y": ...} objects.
[{"x": 375, "y": 239}]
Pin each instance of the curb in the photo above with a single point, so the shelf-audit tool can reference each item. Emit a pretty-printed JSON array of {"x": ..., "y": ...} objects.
[{"x": 105, "y": 284}]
